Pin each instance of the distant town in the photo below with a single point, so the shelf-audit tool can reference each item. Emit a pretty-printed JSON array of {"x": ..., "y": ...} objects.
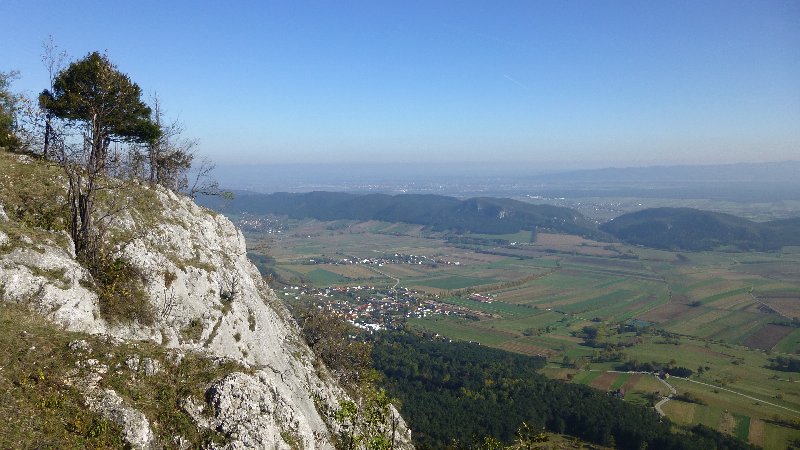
[
  {"x": 397, "y": 258},
  {"x": 377, "y": 308}
]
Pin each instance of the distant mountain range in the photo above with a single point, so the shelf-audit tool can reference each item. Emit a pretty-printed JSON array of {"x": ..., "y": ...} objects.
[
  {"x": 440, "y": 213},
  {"x": 773, "y": 172},
  {"x": 667, "y": 228},
  {"x": 746, "y": 182},
  {"x": 694, "y": 229}
]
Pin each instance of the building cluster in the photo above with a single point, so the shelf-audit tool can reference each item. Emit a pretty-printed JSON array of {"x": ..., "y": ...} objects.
[
  {"x": 481, "y": 298},
  {"x": 261, "y": 224},
  {"x": 376, "y": 308},
  {"x": 397, "y": 258}
]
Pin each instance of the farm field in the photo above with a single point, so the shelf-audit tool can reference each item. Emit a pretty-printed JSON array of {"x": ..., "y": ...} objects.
[
  {"x": 754, "y": 423},
  {"x": 726, "y": 314}
]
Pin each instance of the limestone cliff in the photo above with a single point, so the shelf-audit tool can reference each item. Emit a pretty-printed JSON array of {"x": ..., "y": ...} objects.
[{"x": 203, "y": 296}]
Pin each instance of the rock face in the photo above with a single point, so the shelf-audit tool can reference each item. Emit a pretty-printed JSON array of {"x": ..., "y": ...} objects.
[
  {"x": 205, "y": 295},
  {"x": 253, "y": 408}
]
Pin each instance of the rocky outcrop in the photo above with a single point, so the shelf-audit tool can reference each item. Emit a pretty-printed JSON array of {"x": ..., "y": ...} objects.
[
  {"x": 135, "y": 427},
  {"x": 205, "y": 296},
  {"x": 253, "y": 409}
]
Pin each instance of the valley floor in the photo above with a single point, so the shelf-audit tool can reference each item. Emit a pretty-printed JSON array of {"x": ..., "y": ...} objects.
[{"x": 723, "y": 316}]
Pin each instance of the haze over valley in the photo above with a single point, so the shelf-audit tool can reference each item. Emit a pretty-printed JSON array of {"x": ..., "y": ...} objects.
[{"x": 388, "y": 226}]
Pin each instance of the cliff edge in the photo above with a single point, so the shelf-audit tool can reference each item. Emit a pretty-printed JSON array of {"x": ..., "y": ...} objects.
[{"x": 194, "y": 294}]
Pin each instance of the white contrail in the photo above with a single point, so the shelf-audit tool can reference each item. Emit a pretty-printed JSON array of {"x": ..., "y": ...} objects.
[{"x": 507, "y": 77}]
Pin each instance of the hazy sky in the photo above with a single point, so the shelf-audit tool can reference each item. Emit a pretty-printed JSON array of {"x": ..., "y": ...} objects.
[{"x": 573, "y": 82}]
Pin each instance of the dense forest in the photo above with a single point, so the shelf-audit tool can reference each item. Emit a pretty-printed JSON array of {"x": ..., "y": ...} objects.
[
  {"x": 439, "y": 213},
  {"x": 785, "y": 364},
  {"x": 453, "y": 394},
  {"x": 697, "y": 230}
]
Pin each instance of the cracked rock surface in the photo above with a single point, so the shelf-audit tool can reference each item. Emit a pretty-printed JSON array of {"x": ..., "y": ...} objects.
[
  {"x": 135, "y": 427},
  {"x": 206, "y": 296}
]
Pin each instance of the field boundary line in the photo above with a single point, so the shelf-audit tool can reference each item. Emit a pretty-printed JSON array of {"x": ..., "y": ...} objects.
[
  {"x": 673, "y": 391},
  {"x": 743, "y": 395},
  {"x": 396, "y": 280}
]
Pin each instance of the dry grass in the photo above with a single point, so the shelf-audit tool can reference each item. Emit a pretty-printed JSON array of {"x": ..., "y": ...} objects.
[
  {"x": 680, "y": 412},
  {"x": 727, "y": 423},
  {"x": 40, "y": 409},
  {"x": 756, "y": 436}
]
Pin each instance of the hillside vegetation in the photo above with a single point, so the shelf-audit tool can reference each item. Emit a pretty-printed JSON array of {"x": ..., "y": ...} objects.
[
  {"x": 439, "y": 213},
  {"x": 198, "y": 350},
  {"x": 42, "y": 408},
  {"x": 455, "y": 392},
  {"x": 694, "y": 229}
]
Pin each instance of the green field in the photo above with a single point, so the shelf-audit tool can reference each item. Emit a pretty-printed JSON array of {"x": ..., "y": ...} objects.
[
  {"x": 726, "y": 313},
  {"x": 447, "y": 282},
  {"x": 322, "y": 276}
]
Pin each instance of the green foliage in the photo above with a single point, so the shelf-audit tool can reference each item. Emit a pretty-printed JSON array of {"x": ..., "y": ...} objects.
[
  {"x": 29, "y": 193},
  {"x": 93, "y": 91},
  {"x": 160, "y": 397},
  {"x": 37, "y": 408},
  {"x": 292, "y": 439},
  {"x": 439, "y": 213},
  {"x": 785, "y": 364},
  {"x": 529, "y": 437},
  {"x": 455, "y": 391},
  {"x": 120, "y": 287},
  {"x": 8, "y": 106},
  {"x": 370, "y": 425},
  {"x": 329, "y": 337},
  {"x": 107, "y": 104},
  {"x": 689, "y": 397},
  {"x": 693, "y": 229},
  {"x": 193, "y": 331},
  {"x": 40, "y": 408}
]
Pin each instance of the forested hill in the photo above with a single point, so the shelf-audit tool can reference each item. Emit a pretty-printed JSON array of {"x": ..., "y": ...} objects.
[
  {"x": 694, "y": 229},
  {"x": 456, "y": 393},
  {"x": 440, "y": 213}
]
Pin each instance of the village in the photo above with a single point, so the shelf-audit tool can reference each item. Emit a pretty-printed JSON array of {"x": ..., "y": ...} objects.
[
  {"x": 267, "y": 224},
  {"x": 375, "y": 308},
  {"x": 396, "y": 258}
]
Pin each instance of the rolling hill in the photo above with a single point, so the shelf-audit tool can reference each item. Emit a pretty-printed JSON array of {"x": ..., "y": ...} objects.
[
  {"x": 694, "y": 229},
  {"x": 439, "y": 213}
]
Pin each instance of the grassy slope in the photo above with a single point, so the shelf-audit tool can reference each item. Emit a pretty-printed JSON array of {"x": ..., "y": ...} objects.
[{"x": 38, "y": 406}]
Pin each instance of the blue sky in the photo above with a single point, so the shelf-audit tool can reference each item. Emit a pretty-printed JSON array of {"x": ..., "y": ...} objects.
[{"x": 531, "y": 82}]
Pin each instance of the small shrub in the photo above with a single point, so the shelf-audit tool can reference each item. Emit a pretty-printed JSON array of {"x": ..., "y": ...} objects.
[
  {"x": 292, "y": 439},
  {"x": 56, "y": 275},
  {"x": 120, "y": 287},
  {"x": 251, "y": 319},
  {"x": 193, "y": 331},
  {"x": 169, "y": 278},
  {"x": 227, "y": 305},
  {"x": 689, "y": 397}
]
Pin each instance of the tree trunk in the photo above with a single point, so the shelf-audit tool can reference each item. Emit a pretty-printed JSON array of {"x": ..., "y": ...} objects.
[
  {"x": 99, "y": 143},
  {"x": 47, "y": 132}
]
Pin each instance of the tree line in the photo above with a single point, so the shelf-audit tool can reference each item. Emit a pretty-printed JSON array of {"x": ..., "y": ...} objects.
[
  {"x": 457, "y": 394},
  {"x": 699, "y": 230},
  {"x": 436, "y": 212}
]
